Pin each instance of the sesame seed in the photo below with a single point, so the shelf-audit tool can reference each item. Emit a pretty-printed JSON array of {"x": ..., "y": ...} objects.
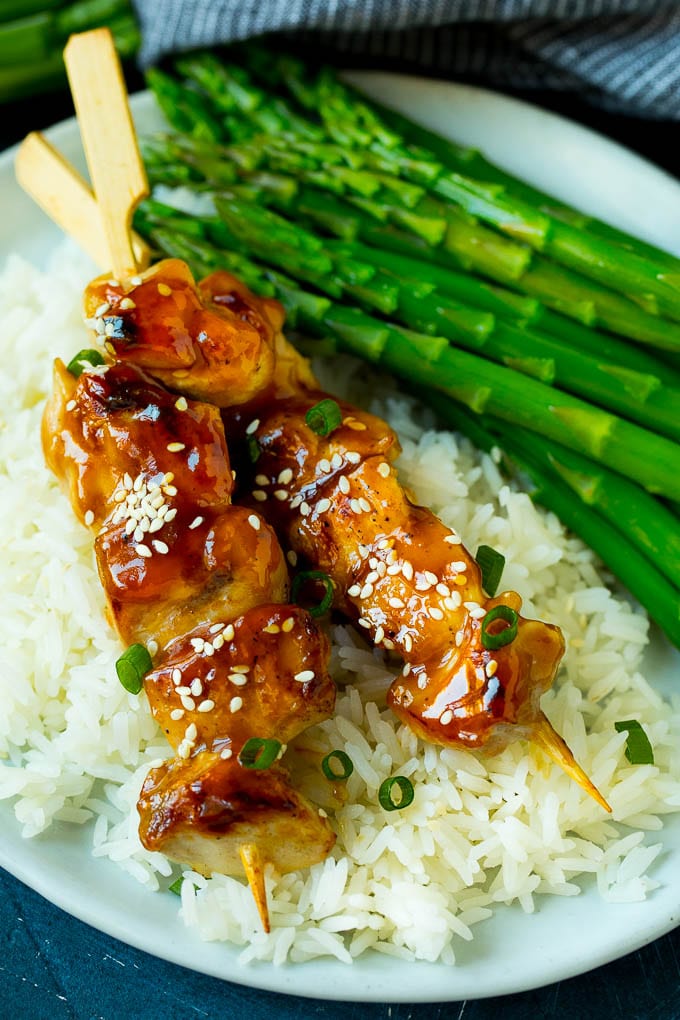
[
  {"x": 436, "y": 613},
  {"x": 127, "y": 481},
  {"x": 292, "y": 558},
  {"x": 136, "y": 281},
  {"x": 197, "y": 644},
  {"x": 176, "y": 676},
  {"x": 363, "y": 622},
  {"x": 152, "y": 647},
  {"x": 395, "y": 603},
  {"x": 459, "y": 638},
  {"x": 322, "y": 813},
  {"x": 355, "y": 506},
  {"x": 118, "y": 496},
  {"x": 352, "y": 423},
  {"x": 393, "y": 569},
  {"x": 478, "y": 614},
  {"x": 164, "y": 290},
  {"x": 238, "y": 679},
  {"x": 453, "y": 539},
  {"x": 354, "y": 591},
  {"x": 443, "y": 589},
  {"x": 102, "y": 309},
  {"x": 170, "y": 490},
  {"x": 259, "y": 495},
  {"x": 240, "y": 669},
  {"x": 183, "y": 691},
  {"x": 305, "y": 676},
  {"x": 366, "y": 591},
  {"x": 288, "y": 625},
  {"x": 218, "y": 642},
  {"x": 446, "y": 717},
  {"x": 295, "y": 501},
  {"x": 177, "y": 714},
  {"x": 195, "y": 523},
  {"x": 196, "y": 686},
  {"x": 429, "y": 576},
  {"x": 280, "y": 494},
  {"x": 156, "y": 525},
  {"x": 379, "y": 635},
  {"x": 408, "y": 643},
  {"x": 217, "y": 627},
  {"x": 254, "y": 522},
  {"x": 188, "y": 703},
  {"x": 407, "y": 669},
  {"x": 353, "y": 457},
  {"x": 160, "y": 547},
  {"x": 384, "y": 469},
  {"x": 336, "y": 461},
  {"x": 325, "y": 465},
  {"x": 127, "y": 304},
  {"x": 273, "y": 628},
  {"x": 207, "y": 705},
  {"x": 372, "y": 577},
  {"x": 191, "y": 732},
  {"x": 422, "y": 681},
  {"x": 229, "y": 632},
  {"x": 175, "y": 447},
  {"x": 143, "y": 550},
  {"x": 363, "y": 550},
  {"x": 253, "y": 427},
  {"x": 285, "y": 476},
  {"x": 491, "y": 667},
  {"x": 392, "y": 556},
  {"x": 323, "y": 505},
  {"x": 235, "y": 704},
  {"x": 184, "y": 750},
  {"x": 460, "y": 580},
  {"x": 89, "y": 518},
  {"x": 364, "y": 504},
  {"x": 70, "y": 407},
  {"x": 459, "y": 565},
  {"x": 226, "y": 753},
  {"x": 384, "y": 543},
  {"x": 261, "y": 480},
  {"x": 305, "y": 508},
  {"x": 343, "y": 483}
]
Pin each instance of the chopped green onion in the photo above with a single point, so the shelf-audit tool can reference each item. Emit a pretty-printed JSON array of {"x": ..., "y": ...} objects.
[
  {"x": 254, "y": 449},
  {"x": 82, "y": 360},
  {"x": 324, "y": 417},
  {"x": 639, "y": 751},
  {"x": 176, "y": 886},
  {"x": 501, "y": 637},
  {"x": 132, "y": 667},
  {"x": 259, "y": 752},
  {"x": 405, "y": 797},
  {"x": 314, "y": 575},
  {"x": 343, "y": 759},
  {"x": 491, "y": 564}
]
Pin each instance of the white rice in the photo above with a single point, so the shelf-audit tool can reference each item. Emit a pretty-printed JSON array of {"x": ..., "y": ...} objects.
[{"x": 480, "y": 832}]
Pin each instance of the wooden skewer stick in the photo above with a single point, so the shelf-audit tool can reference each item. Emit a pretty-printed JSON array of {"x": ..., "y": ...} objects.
[
  {"x": 67, "y": 199},
  {"x": 549, "y": 740},
  {"x": 113, "y": 158},
  {"x": 253, "y": 866}
]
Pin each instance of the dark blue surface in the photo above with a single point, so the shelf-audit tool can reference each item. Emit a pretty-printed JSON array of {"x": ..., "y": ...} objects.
[{"x": 53, "y": 967}]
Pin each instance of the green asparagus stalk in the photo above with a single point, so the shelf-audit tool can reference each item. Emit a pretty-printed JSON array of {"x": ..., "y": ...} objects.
[{"x": 624, "y": 544}]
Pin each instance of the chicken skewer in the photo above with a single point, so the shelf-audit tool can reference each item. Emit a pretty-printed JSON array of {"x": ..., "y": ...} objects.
[
  {"x": 203, "y": 584},
  {"x": 474, "y": 668}
]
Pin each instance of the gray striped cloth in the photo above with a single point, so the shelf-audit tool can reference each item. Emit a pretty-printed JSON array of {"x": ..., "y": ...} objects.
[{"x": 621, "y": 54}]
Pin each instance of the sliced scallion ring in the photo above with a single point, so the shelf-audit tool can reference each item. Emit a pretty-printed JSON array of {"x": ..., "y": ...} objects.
[
  {"x": 639, "y": 750},
  {"x": 254, "y": 450},
  {"x": 503, "y": 637},
  {"x": 324, "y": 417},
  {"x": 491, "y": 564},
  {"x": 132, "y": 667},
  {"x": 404, "y": 796},
  {"x": 345, "y": 762},
  {"x": 82, "y": 360},
  {"x": 176, "y": 886},
  {"x": 259, "y": 752},
  {"x": 304, "y": 577}
]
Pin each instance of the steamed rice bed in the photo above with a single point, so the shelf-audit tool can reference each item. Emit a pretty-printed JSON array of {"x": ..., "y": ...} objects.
[{"x": 480, "y": 832}]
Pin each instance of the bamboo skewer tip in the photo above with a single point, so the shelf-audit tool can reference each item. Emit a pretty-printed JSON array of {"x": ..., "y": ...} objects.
[
  {"x": 549, "y": 740},
  {"x": 253, "y": 865}
]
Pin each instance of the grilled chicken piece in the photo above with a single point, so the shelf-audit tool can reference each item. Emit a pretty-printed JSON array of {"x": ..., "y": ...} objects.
[
  {"x": 200, "y": 341},
  {"x": 204, "y": 584}
]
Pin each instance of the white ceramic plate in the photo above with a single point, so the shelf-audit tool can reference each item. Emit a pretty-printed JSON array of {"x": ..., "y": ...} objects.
[{"x": 512, "y": 951}]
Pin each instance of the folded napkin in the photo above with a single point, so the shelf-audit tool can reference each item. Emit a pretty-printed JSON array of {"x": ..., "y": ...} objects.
[{"x": 621, "y": 54}]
